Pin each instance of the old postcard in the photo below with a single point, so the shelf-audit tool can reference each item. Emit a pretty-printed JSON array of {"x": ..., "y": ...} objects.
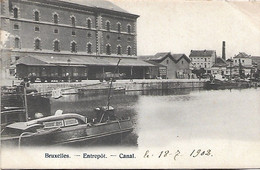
[{"x": 130, "y": 84}]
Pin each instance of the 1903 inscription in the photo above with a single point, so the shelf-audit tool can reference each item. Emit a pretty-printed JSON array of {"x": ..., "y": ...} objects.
[{"x": 177, "y": 153}]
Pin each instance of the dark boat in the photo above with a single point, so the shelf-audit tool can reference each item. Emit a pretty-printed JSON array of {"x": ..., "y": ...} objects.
[
  {"x": 68, "y": 128},
  {"x": 225, "y": 84}
]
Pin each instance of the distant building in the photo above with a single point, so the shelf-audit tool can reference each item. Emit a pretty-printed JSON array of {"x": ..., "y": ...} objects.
[
  {"x": 203, "y": 59},
  {"x": 242, "y": 58},
  {"x": 158, "y": 71},
  {"x": 220, "y": 67},
  {"x": 246, "y": 64},
  {"x": 182, "y": 66},
  {"x": 242, "y": 63},
  {"x": 177, "y": 64},
  {"x": 87, "y": 32}
]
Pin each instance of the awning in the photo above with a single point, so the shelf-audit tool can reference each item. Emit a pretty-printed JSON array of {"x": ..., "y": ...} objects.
[{"x": 83, "y": 60}]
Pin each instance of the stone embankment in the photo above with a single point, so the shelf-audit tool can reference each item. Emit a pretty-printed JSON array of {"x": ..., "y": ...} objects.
[{"x": 135, "y": 85}]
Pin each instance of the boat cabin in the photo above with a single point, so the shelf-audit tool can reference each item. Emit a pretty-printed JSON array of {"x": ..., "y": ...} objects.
[{"x": 46, "y": 123}]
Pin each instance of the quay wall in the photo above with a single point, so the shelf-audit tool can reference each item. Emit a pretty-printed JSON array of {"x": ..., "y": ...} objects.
[{"x": 135, "y": 85}]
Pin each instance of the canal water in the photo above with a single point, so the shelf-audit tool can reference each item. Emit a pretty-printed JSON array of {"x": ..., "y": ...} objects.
[{"x": 164, "y": 117}]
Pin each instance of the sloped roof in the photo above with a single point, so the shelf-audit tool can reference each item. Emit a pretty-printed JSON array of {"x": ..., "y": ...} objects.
[
  {"x": 103, "y": 4},
  {"x": 178, "y": 57},
  {"x": 201, "y": 53},
  {"x": 220, "y": 62},
  {"x": 242, "y": 55},
  {"x": 161, "y": 56},
  {"x": 31, "y": 61},
  {"x": 155, "y": 63},
  {"x": 80, "y": 60},
  {"x": 229, "y": 60},
  {"x": 146, "y": 57},
  {"x": 156, "y": 57}
]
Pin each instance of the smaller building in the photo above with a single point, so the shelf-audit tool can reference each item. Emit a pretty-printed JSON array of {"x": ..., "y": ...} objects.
[
  {"x": 182, "y": 66},
  {"x": 242, "y": 65},
  {"x": 242, "y": 58},
  {"x": 220, "y": 67},
  {"x": 159, "y": 71},
  {"x": 203, "y": 59},
  {"x": 178, "y": 65}
]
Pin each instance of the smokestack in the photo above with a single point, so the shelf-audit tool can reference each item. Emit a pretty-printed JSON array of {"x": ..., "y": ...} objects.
[{"x": 224, "y": 50}]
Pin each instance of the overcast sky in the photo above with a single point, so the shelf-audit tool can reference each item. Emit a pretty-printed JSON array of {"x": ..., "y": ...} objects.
[{"x": 181, "y": 26}]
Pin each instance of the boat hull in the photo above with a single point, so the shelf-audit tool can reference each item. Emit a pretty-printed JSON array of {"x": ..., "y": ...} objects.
[
  {"x": 104, "y": 133},
  {"x": 225, "y": 85}
]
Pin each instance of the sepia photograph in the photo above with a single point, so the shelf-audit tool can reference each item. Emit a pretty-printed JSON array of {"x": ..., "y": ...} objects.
[{"x": 130, "y": 84}]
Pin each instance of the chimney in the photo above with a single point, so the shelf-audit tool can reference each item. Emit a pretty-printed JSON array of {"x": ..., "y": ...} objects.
[{"x": 224, "y": 50}]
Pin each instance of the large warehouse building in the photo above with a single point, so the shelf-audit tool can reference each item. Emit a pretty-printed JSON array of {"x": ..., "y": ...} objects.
[{"x": 93, "y": 34}]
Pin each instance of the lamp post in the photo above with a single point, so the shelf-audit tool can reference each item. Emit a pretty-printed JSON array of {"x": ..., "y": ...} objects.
[{"x": 68, "y": 61}]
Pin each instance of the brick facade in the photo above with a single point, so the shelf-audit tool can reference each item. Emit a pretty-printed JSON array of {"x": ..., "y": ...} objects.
[{"x": 85, "y": 26}]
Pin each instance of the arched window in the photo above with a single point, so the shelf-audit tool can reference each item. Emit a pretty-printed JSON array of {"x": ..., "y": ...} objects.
[
  {"x": 129, "y": 29},
  {"x": 37, "y": 44},
  {"x": 56, "y": 45},
  {"x": 119, "y": 27},
  {"x": 73, "y": 21},
  {"x": 15, "y": 12},
  {"x": 36, "y": 16},
  {"x": 74, "y": 47},
  {"x": 55, "y": 19},
  {"x": 108, "y": 26},
  {"x": 89, "y": 23},
  {"x": 89, "y": 48},
  {"x": 108, "y": 49},
  {"x": 128, "y": 50},
  {"x": 119, "y": 50},
  {"x": 16, "y": 43}
]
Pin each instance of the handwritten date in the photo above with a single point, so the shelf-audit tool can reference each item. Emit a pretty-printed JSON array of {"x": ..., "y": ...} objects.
[{"x": 175, "y": 154}]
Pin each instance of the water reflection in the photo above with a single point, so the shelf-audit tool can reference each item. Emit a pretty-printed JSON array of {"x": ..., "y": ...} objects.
[
  {"x": 203, "y": 115},
  {"x": 165, "y": 117}
]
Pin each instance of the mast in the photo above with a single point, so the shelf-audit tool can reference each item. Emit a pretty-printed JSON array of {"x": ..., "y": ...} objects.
[
  {"x": 25, "y": 102},
  {"x": 110, "y": 86},
  {"x": 109, "y": 91}
]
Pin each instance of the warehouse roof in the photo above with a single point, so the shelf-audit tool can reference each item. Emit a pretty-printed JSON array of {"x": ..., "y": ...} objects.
[
  {"x": 81, "y": 60},
  {"x": 31, "y": 61},
  {"x": 97, "y": 4}
]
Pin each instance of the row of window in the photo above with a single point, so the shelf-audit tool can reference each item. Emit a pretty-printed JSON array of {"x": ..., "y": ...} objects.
[
  {"x": 239, "y": 59},
  {"x": 119, "y": 50},
  {"x": 205, "y": 59},
  {"x": 200, "y": 63},
  {"x": 73, "y": 21},
  {"x": 56, "y": 31},
  {"x": 56, "y": 46}
]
